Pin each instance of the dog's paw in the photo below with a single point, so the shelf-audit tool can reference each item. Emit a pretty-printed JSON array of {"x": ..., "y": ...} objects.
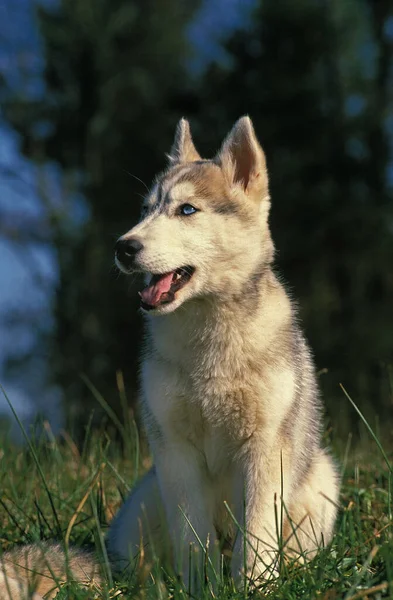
[{"x": 256, "y": 569}]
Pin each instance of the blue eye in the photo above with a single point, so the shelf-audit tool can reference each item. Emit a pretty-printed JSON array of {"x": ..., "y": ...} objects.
[{"x": 187, "y": 209}]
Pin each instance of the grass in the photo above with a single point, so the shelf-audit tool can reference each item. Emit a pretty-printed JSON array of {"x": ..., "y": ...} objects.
[{"x": 51, "y": 490}]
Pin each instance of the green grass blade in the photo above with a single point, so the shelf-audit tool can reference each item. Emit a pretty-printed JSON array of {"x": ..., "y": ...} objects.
[
  {"x": 101, "y": 400},
  {"x": 368, "y": 426},
  {"x": 35, "y": 458}
]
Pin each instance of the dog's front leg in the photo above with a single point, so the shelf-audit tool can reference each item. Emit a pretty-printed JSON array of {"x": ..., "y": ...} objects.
[
  {"x": 188, "y": 503},
  {"x": 262, "y": 488}
]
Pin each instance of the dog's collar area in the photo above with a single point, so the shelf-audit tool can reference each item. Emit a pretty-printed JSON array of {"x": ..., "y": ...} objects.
[{"x": 162, "y": 287}]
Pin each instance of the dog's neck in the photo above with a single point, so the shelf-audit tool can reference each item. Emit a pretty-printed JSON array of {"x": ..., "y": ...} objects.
[{"x": 219, "y": 328}]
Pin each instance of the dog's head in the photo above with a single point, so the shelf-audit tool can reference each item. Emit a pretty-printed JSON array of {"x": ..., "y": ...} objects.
[{"x": 203, "y": 230}]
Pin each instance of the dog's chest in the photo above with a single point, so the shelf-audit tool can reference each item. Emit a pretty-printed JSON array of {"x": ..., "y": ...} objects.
[{"x": 213, "y": 412}]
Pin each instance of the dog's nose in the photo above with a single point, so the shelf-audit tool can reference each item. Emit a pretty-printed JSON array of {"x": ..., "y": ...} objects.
[{"x": 127, "y": 249}]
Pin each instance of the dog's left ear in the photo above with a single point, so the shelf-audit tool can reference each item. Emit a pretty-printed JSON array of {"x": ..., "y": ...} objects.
[
  {"x": 183, "y": 149},
  {"x": 243, "y": 160}
]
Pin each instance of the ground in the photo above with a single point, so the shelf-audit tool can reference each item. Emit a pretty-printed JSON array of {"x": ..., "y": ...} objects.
[{"x": 51, "y": 489}]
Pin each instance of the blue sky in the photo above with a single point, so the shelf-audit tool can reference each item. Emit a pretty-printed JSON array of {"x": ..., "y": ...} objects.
[{"x": 20, "y": 267}]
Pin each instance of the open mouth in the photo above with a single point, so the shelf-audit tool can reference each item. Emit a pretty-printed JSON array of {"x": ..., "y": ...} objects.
[{"x": 162, "y": 288}]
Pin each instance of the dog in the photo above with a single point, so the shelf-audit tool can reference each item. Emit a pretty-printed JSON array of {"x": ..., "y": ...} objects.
[
  {"x": 230, "y": 400},
  {"x": 229, "y": 396}
]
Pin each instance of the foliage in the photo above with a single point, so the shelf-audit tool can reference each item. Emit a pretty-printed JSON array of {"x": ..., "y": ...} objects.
[{"x": 316, "y": 79}]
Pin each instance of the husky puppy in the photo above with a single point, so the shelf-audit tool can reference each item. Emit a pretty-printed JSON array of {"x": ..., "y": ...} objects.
[{"x": 229, "y": 394}]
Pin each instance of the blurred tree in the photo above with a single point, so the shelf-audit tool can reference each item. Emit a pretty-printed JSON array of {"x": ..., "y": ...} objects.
[
  {"x": 316, "y": 77},
  {"x": 113, "y": 70}
]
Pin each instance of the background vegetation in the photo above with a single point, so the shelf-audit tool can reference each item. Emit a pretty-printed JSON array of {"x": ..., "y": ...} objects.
[{"x": 316, "y": 77}]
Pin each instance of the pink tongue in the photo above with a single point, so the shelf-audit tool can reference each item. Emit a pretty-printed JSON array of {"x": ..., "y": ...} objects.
[{"x": 151, "y": 295}]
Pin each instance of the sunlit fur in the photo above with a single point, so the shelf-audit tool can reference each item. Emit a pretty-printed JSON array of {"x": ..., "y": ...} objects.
[{"x": 31, "y": 572}]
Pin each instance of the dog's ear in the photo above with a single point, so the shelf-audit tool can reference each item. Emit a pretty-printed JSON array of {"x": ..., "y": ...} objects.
[
  {"x": 243, "y": 160},
  {"x": 183, "y": 149}
]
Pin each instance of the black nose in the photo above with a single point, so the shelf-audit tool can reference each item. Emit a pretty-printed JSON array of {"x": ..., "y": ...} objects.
[{"x": 126, "y": 250}]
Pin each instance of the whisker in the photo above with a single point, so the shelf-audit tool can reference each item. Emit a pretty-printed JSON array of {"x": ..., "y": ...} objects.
[{"x": 137, "y": 178}]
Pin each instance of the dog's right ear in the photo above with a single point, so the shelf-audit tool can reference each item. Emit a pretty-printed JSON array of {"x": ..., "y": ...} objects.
[{"x": 183, "y": 149}]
